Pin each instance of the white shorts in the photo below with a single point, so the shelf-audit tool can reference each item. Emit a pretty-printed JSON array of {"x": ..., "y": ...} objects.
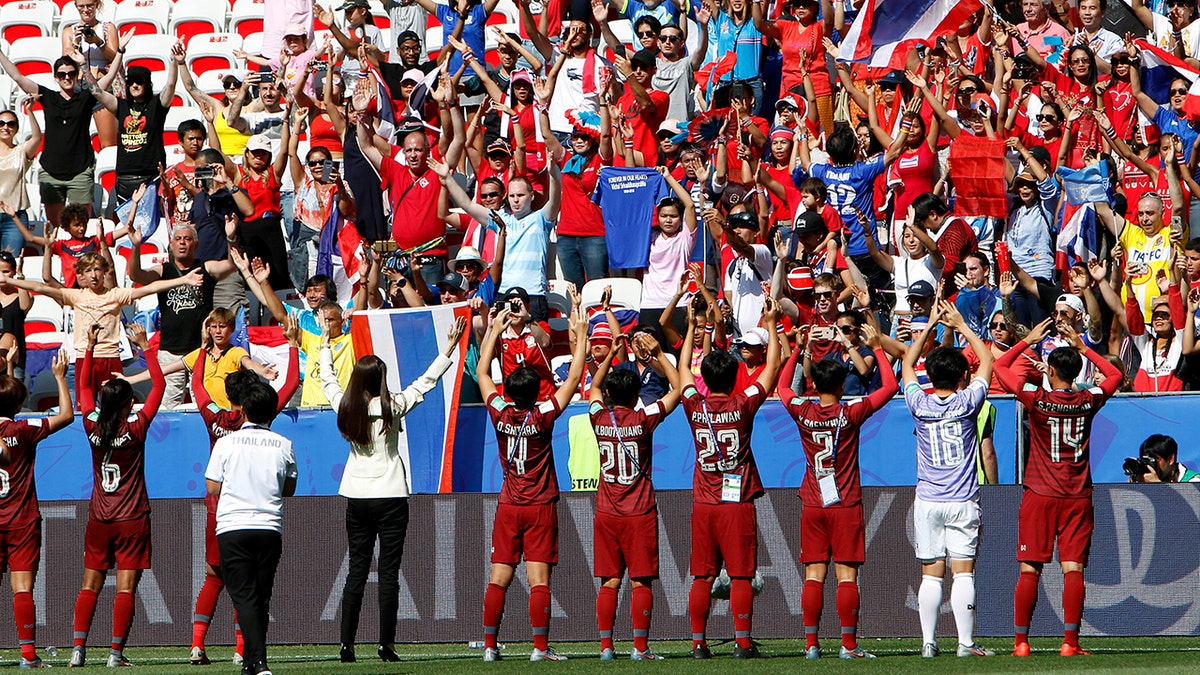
[{"x": 942, "y": 528}]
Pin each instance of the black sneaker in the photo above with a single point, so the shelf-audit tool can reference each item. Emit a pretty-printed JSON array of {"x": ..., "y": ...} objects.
[
  {"x": 346, "y": 655},
  {"x": 388, "y": 654},
  {"x": 701, "y": 652},
  {"x": 749, "y": 653}
]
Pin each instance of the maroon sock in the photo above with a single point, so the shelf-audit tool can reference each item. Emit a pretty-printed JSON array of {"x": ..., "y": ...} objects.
[
  {"x": 1024, "y": 600},
  {"x": 741, "y": 604},
  {"x": 1072, "y": 599},
  {"x": 606, "y": 614},
  {"x": 85, "y": 607},
  {"x": 812, "y": 598},
  {"x": 847, "y": 609},
  {"x": 699, "y": 602},
  {"x": 206, "y": 604},
  {"x": 640, "y": 609},
  {"x": 539, "y": 616},
  {"x": 122, "y": 619},
  {"x": 238, "y": 642},
  {"x": 493, "y": 611},
  {"x": 25, "y": 616}
]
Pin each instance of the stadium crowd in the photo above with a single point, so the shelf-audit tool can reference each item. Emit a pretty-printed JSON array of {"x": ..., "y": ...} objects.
[{"x": 681, "y": 198}]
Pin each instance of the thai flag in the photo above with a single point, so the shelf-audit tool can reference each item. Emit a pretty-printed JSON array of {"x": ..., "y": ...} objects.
[
  {"x": 1159, "y": 68},
  {"x": 1078, "y": 241},
  {"x": 408, "y": 340},
  {"x": 386, "y": 112},
  {"x": 886, "y": 30},
  {"x": 337, "y": 251}
]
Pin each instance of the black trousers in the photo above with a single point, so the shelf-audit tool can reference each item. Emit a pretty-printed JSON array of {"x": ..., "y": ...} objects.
[
  {"x": 249, "y": 559},
  {"x": 367, "y": 520}
]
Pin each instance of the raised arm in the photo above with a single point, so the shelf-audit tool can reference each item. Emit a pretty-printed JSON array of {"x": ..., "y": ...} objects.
[
  {"x": 27, "y": 85},
  {"x": 533, "y": 29},
  {"x": 765, "y": 26},
  {"x": 952, "y": 318},
  {"x": 766, "y": 378},
  {"x": 487, "y": 352},
  {"x": 158, "y": 383},
  {"x": 460, "y": 197}
]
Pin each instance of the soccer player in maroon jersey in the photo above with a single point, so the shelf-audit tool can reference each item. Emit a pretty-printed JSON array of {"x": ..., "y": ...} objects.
[
  {"x": 20, "y": 520},
  {"x": 118, "y": 528},
  {"x": 626, "y": 522},
  {"x": 725, "y": 483},
  {"x": 221, "y": 422},
  {"x": 831, "y": 523},
  {"x": 526, "y": 517},
  {"x": 1057, "y": 503}
]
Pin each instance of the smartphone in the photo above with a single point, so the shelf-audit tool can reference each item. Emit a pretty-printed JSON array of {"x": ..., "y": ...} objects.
[
  {"x": 326, "y": 170},
  {"x": 514, "y": 306},
  {"x": 204, "y": 173},
  {"x": 266, "y": 78}
]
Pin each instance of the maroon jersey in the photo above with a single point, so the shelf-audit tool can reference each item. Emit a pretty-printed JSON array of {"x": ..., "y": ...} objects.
[
  {"x": 18, "y": 494},
  {"x": 119, "y": 472},
  {"x": 523, "y": 350},
  {"x": 829, "y": 435},
  {"x": 1060, "y": 426},
  {"x": 626, "y": 447},
  {"x": 721, "y": 430},
  {"x": 523, "y": 438}
]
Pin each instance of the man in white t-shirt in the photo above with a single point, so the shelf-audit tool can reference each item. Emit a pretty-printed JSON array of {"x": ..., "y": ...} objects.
[
  {"x": 252, "y": 470},
  {"x": 744, "y": 276}
]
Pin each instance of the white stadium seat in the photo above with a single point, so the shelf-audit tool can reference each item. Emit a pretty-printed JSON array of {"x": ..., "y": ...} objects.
[
  {"x": 145, "y": 17},
  {"x": 35, "y": 54},
  {"x": 151, "y": 51},
  {"x": 26, "y": 19},
  {"x": 626, "y": 293},
  {"x": 194, "y": 17},
  {"x": 210, "y": 83},
  {"x": 246, "y": 17},
  {"x": 212, "y": 51},
  {"x": 252, "y": 43}
]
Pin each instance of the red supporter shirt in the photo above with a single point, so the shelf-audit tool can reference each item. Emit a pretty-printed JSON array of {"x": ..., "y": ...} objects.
[
  {"x": 118, "y": 472},
  {"x": 626, "y": 488},
  {"x": 796, "y": 38},
  {"x": 523, "y": 438},
  {"x": 523, "y": 350},
  {"x": 264, "y": 193},
  {"x": 580, "y": 216},
  {"x": 69, "y": 251},
  {"x": 735, "y": 141},
  {"x": 18, "y": 493},
  {"x": 830, "y": 437},
  {"x": 955, "y": 241},
  {"x": 645, "y": 122},
  {"x": 414, "y": 206},
  {"x": 730, "y": 419},
  {"x": 912, "y": 176}
]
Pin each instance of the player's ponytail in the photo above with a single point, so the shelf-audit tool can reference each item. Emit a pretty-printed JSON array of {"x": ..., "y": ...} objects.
[
  {"x": 368, "y": 380},
  {"x": 115, "y": 398}
]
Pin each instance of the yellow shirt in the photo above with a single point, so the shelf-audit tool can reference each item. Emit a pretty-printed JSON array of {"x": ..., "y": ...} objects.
[
  {"x": 343, "y": 362},
  {"x": 233, "y": 142},
  {"x": 216, "y": 371},
  {"x": 1150, "y": 251}
]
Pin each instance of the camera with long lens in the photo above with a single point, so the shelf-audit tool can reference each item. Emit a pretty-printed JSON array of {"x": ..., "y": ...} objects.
[{"x": 1137, "y": 468}]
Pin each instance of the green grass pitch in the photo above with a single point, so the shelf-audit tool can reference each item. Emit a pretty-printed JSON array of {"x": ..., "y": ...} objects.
[{"x": 1109, "y": 655}]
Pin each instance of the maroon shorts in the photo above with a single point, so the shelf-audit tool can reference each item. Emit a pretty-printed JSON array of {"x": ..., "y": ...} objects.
[
  {"x": 724, "y": 533},
  {"x": 530, "y": 530},
  {"x": 832, "y": 532},
  {"x": 626, "y": 542},
  {"x": 103, "y": 369},
  {"x": 1042, "y": 519},
  {"x": 21, "y": 547},
  {"x": 124, "y": 544}
]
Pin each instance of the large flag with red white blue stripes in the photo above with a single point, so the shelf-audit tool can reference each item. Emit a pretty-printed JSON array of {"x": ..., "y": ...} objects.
[
  {"x": 408, "y": 340},
  {"x": 885, "y": 30},
  {"x": 1159, "y": 68}
]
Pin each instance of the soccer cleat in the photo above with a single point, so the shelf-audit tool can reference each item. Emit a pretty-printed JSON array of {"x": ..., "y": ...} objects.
[
  {"x": 813, "y": 652},
  {"x": 974, "y": 650},
  {"x": 387, "y": 654},
  {"x": 701, "y": 652},
  {"x": 346, "y": 654},
  {"x": 607, "y": 654},
  {"x": 547, "y": 654},
  {"x": 78, "y": 657},
  {"x": 1021, "y": 649},
  {"x": 750, "y": 652},
  {"x": 35, "y": 662},
  {"x": 198, "y": 657},
  {"x": 648, "y": 655},
  {"x": 856, "y": 653},
  {"x": 930, "y": 650},
  {"x": 118, "y": 661},
  {"x": 491, "y": 654},
  {"x": 237, "y": 659},
  {"x": 1072, "y": 650}
]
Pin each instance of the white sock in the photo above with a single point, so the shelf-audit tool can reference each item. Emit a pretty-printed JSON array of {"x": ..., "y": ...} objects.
[
  {"x": 929, "y": 603},
  {"x": 962, "y": 600}
]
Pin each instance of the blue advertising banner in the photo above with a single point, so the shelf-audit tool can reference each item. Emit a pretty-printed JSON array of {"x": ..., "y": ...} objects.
[{"x": 177, "y": 448}]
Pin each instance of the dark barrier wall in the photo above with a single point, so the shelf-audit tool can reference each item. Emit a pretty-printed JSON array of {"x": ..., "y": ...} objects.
[
  {"x": 1142, "y": 581},
  {"x": 178, "y": 448}
]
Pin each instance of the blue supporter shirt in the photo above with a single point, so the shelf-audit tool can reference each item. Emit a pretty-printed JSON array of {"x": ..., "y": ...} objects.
[
  {"x": 666, "y": 12},
  {"x": 525, "y": 252},
  {"x": 473, "y": 27},
  {"x": 852, "y": 185},
  {"x": 746, "y": 40},
  {"x": 1169, "y": 123},
  {"x": 628, "y": 197}
]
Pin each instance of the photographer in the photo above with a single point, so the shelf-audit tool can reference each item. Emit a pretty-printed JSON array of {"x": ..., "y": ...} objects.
[
  {"x": 1156, "y": 463},
  {"x": 214, "y": 198}
]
